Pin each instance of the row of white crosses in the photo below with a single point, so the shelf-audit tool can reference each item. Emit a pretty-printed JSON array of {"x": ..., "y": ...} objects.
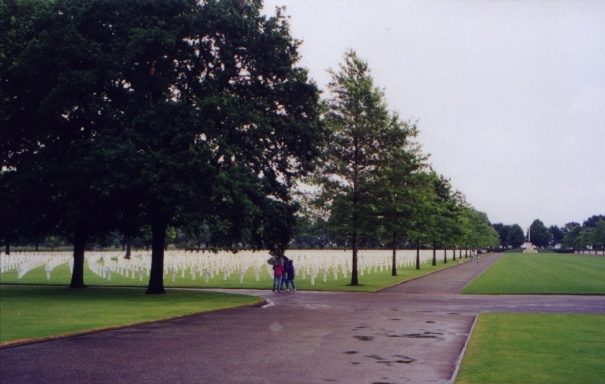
[
  {"x": 104, "y": 264},
  {"x": 311, "y": 264},
  {"x": 24, "y": 262},
  {"x": 176, "y": 263},
  {"x": 338, "y": 263}
]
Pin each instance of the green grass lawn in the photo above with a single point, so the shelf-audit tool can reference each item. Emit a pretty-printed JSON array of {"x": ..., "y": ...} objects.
[
  {"x": 30, "y": 312},
  {"x": 33, "y": 312},
  {"x": 369, "y": 282},
  {"x": 542, "y": 273},
  {"x": 535, "y": 348}
]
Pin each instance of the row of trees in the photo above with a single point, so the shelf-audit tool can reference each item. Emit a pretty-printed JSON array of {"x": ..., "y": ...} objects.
[
  {"x": 374, "y": 183},
  {"x": 144, "y": 116},
  {"x": 589, "y": 235}
]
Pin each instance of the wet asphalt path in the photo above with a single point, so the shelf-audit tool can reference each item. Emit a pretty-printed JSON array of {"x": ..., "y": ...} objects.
[{"x": 411, "y": 333}]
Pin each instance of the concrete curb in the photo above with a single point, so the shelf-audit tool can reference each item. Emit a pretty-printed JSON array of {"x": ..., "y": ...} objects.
[{"x": 459, "y": 362}]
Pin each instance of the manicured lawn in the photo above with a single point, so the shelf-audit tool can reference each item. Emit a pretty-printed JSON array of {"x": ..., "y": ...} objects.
[
  {"x": 32, "y": 312},
  {"x": 369, "y": 282},
  {"x": 542, "y": 273},
  {"x": 535, "y": 348}
]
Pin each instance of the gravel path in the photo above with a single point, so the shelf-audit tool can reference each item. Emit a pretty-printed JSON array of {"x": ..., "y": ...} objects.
[{"x": 411, "y": 333}]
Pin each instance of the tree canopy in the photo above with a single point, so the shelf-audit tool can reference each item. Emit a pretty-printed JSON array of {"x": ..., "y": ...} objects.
[
  {"x": 589, "y": 235},
  {"x": 515, "y": 237},
  {"x": 160, "y": 112},
  {"x": 365, "y": 140},
  {"x": 539, "y": 233}
]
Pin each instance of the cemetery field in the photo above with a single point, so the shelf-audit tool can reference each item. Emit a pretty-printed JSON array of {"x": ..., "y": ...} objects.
[
  {"x": 535, "y": 348},
  {"x": 542, "y": 273},
  {"x": 34, "y": 312},
  {"x": 315, "y": 270}
]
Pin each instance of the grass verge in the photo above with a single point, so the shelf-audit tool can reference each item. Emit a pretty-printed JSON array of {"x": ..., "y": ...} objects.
[
  {"x": 33, "y": 312},
  {"x": 535, "y": 348},
  {"x": 542, "y": 273}
]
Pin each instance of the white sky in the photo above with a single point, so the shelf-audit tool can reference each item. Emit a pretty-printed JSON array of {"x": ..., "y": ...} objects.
[{"x": 509, "y": 95}]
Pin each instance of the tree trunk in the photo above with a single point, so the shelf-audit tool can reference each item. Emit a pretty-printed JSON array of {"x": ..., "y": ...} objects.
[
  {"x": 445, "y": 255},
  {"x": 454, "y": 258},
  {"x": 128, "y": 240},
  {"x": 434, "y": 255},
  {"x": 158, "y": 238},
  {"x": 394, "y": 262},
  {"x": 7, "y": 248},
  {"x": 417, "y": 253},
  {"x": 77, "y": 275},
  {"x": 354, "y": 278}
]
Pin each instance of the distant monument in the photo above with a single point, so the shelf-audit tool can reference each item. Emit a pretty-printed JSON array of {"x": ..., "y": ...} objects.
[{"x": 529, "y": 247}]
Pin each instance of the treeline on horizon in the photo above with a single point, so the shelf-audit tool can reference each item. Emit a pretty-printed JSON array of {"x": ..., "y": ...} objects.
[
  {"x": 572, "y": 236},
  {"x": 315, "y": 235}
]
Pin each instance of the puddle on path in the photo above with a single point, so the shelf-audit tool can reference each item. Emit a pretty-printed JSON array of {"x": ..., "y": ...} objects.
[{"x": 398, "y": 359}]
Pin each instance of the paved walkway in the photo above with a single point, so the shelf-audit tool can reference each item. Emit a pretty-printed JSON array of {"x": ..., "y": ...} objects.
[{"x": 411, "y": 333}]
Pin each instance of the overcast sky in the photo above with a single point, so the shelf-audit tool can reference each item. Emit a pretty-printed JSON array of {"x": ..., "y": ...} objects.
[{"x": 509, "y": 95}]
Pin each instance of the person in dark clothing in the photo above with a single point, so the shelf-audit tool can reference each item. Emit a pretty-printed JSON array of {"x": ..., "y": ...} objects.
[
  {"x": 284, "y": 259},
  {"x": 289, "y": 274}
]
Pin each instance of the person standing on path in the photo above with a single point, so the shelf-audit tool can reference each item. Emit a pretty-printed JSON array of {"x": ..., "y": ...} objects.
[
  {"x": 285, "y": 274},
  {"x": 289, "y": 270},
  {"x": 278, "y": 272}
]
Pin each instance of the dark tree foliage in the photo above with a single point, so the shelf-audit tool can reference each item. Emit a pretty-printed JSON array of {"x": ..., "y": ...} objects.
[
  {"x": 539, "y": 234},
  {"x": 55, "y": 82},
  {"x": 161, "y": 113},
  {"x": 556, "y": 235},
  {"x": 598, "y": 236},
  {"x": 593, "y": 221},
  {"x": 515, "y": 237},
  {"x": 590, "y": 235},
  {"x": 310, "y": 233},
  {"x": 571, "y": 236},
  {"x": 502, "y": 230}
]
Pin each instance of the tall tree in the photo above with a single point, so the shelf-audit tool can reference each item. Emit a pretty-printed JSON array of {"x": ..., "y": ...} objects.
[
  {"x": 401, "y": 190},
  {"x": 556, "y": 235},
  {"x": 446, "y": 215},
  {"x": 571, "y": 236},
  {"x": 515, "y": 237},
  {"x": 539, "y": 233},
  {"x": 599, "y": 235},
  {"x": 55, "y": 96},
  {"x": 401, "y": 200},
  {"x": 502, "y": 230},
  {"x": 362, "y": 132},
  {"x": 480, "y": 233},
  {"x": 586, "y": 238},
  {"x": 223, "y": 122}
]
